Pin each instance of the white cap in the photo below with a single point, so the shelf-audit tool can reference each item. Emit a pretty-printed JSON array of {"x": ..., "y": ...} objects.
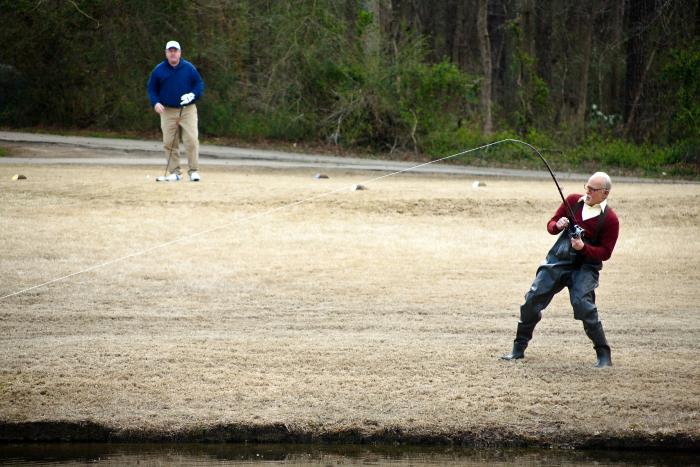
[{"x": 172, "y": 44}]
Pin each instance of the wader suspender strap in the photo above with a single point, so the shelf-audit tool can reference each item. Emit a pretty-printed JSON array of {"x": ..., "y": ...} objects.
[{"x": 599, "y": 225}]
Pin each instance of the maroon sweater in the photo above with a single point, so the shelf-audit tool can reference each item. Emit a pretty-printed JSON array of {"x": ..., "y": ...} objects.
[{"x": 607, "y": 237}]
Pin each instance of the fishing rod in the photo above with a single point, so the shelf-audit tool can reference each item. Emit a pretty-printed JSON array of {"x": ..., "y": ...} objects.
[{"x": 575, "y": 230}]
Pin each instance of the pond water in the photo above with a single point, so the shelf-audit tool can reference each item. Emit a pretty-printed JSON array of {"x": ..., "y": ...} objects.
[{"x": 324, "y": 455}]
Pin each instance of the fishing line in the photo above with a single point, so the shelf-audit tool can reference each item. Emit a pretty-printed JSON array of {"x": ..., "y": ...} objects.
[{"x": 277, "y": 209}]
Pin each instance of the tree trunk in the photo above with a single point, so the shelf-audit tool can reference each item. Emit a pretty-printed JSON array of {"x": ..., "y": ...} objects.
[
  {"x": 635, "y": 103},
  {"x": 529, "y": 28},
  {"x": 501, "y": 92},
  {"x": 543, "y": 40},
  {"x": 527, "y": 68},
  {"x": 350, "y": 11},
  {"x": 638, "y": 14},
  {"x": 586, "y": 37},
  {"x": 485, "y": 47},
  {"x": 458, "y": 38},
  {"x": 373, "y": 37},
  {"x": 616, "y": 82},
  {"x": 385, "y": 20}
]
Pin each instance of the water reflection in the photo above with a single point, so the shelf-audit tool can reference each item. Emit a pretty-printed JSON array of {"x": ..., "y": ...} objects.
[{"x": 324, "y": 455}]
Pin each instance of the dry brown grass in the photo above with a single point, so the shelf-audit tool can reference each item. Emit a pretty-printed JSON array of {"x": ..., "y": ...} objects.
[{"x": 362, "y": 310}]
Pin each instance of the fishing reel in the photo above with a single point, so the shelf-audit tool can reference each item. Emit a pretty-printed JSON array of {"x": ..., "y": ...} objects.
[{"x": 575, "y": 231}]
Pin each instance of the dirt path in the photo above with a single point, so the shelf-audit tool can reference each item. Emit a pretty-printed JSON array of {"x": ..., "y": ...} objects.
[{"x": 37, "y": 148}]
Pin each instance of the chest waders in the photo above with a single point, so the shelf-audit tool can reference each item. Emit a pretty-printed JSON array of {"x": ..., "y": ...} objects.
[{"x": 565, "y": 267}]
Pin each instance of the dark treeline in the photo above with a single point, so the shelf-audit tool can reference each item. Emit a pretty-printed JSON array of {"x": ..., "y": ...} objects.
[{"x": 611, "y": 81}]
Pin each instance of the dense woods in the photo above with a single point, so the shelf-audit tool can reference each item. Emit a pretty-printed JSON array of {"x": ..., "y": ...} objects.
[{"x": 612, "y": 82}]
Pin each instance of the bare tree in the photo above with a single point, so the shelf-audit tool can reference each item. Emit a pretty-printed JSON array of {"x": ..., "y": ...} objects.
[
  {"x": 618, "y": 16},
  {"x": 498, "y": 17},
  {"x": 485, "y": 47},
  {"x": 586, "y": 20},
  {"x": 639, "y": 14},
  {"x": 543, "y": 39},
  {"x": 373, "y": 37}
]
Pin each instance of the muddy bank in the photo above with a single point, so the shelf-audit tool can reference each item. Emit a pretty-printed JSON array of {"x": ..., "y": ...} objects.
[{"x": 79, "y": 432}]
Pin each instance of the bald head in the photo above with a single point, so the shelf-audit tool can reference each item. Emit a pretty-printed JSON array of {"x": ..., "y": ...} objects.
[{"x": 602, "y": 179}]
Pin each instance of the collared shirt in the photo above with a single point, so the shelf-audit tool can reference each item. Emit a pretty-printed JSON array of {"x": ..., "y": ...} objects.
[{"x": 589, "y": 212}]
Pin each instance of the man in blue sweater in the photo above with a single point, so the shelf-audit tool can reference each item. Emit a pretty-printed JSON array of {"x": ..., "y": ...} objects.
[{"x": 173, "y": 88}]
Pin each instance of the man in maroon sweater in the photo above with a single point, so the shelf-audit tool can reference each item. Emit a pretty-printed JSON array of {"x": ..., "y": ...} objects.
[{"x": 574, "y": 263}]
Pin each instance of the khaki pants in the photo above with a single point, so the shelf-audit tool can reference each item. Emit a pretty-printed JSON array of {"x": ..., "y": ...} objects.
[{"x": 190, "y": 137}]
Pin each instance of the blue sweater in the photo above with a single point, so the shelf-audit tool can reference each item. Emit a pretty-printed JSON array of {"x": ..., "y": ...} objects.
[{"x": 167, "y": 84}]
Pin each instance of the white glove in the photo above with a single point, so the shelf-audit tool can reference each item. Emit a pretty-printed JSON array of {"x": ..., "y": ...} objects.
[{"x": 186, "y": 98}]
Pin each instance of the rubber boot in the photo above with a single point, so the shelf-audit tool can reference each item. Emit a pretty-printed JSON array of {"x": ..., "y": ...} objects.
[
  {"x": 603, "y": 354},
  {"x": 517, "y": 352},
  {"x": 522, "y": 337},
  {"x": 596, "y": 334}
]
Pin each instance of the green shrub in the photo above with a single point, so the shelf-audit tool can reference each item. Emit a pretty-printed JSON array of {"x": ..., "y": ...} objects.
[
  {"x": 621, "y": 157},
  {"x": 681, "y": 72},
  {"x": 470, "y": 140},
  {"x": 443, "y": 142}
]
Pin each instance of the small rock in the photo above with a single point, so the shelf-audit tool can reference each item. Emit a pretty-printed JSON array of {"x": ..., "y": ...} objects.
[
  {"x": 19, "y": 177},
  {"x": 358, "y": 187},
  {"x": 478, "y": 184},
  {"x": 317, "y": 176}
]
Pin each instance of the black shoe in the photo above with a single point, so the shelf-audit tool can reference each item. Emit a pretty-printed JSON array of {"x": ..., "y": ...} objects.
[{"x": 517, "y": 353}]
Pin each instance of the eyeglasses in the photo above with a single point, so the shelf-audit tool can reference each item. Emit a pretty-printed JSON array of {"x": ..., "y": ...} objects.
[{"x": 591, "y": 189}]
